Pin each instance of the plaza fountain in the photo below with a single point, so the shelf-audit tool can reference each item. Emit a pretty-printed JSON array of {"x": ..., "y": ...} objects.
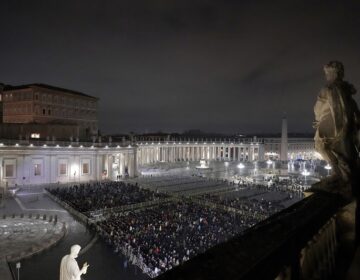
[{"x": 203, "y": 165}]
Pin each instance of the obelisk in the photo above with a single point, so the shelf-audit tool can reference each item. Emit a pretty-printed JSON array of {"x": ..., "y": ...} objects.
[{"x": 284, "y": 141}]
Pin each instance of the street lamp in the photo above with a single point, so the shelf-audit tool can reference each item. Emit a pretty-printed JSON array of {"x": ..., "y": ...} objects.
[
  {"x": 18, "y": 265},
  {"x": 328, "y": 168}
]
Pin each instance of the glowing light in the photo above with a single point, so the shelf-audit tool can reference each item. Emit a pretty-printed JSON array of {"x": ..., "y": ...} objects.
[
  {"x": 305, "y": 173},
  {"x": 241, "y": 166},
  {"x": 226, "y": 163},
  {"x": 31, "y": 145},
  {"x": 328, "y": 167},
  {"x": 81, "y": 146},
  {"x": 269, "y": 162},
  {"x": 44, "y": 145},
  {"x": 16, "y": 145},
  {"x": 57, "y": 146},
  {"x": 118, "y": 146},
  {"x": 92, "y": 147},
  {"x": 74, "y": 170},
  {"x": 202, "y": 165},
  {"x": 106, "y": 147}
]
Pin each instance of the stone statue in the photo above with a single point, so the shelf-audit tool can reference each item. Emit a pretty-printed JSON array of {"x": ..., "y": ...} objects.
[
  {"x": 337, "y": 124},
  {"x": 69, "y": 269}
]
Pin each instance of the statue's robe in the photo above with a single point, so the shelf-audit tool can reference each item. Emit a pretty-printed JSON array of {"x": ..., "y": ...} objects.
[
  {"x": 336, "y": 121},
  {"x": 69, "y": 269}
]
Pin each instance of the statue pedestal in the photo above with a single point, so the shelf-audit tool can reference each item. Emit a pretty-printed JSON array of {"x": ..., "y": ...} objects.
[{"x": 284, "y": 168}]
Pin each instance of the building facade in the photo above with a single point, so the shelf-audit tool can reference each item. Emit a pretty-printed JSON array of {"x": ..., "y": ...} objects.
[
  {"x": 44, "y": 104},
  {"x": 32, "y": 164},
  {"x": 39, "y": 115},
  {"x": 297, "y": 148},
  {"x": 172, "y": 151}
]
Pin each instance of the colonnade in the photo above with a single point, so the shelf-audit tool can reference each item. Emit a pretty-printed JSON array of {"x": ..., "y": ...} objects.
[
  {"x": 151, "y": 153},
  {"x": 121, "y": 164}
]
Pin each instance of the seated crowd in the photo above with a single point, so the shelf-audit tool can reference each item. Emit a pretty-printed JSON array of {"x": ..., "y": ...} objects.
[
  {"x": 167, "y": 235},
  {"x": 257, "y": 200},
  {"x": 103, "y": 195}
]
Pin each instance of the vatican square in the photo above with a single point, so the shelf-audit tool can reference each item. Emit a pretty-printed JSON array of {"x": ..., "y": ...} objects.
[{"x": 179, "y": 140}]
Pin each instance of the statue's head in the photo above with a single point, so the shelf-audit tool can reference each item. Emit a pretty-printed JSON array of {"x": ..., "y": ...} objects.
[
  {"x": 74, "y": 251},
  {"x": 334, "y": 71}
]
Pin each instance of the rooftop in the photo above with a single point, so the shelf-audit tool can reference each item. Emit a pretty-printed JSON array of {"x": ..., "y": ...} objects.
[{"x": 45, "y": 86}]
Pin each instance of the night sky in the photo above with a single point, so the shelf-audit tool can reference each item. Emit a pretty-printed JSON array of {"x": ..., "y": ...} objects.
[{"x": 218, "y": 66}]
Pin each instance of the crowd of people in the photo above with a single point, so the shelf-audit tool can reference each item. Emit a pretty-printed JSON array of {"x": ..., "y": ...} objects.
[
  {"x": 167, "y": 235},
  {"x": 258, "y": 200},
  {"x": 170, "y": 232},
  {"x": 93, "y": 196}
]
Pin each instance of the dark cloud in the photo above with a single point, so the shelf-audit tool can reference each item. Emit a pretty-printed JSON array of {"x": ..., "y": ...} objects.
[{"x": 226, "y": 66}]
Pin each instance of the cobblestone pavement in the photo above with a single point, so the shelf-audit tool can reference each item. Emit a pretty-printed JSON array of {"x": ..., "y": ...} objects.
[{"x": 24, "y": 236}]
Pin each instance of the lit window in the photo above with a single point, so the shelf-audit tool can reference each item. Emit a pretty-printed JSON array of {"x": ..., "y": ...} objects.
[
  {"x": 37, "y": 169},
  {"x": 35, "y": 135},
  {"x": 62, "y": 169}
]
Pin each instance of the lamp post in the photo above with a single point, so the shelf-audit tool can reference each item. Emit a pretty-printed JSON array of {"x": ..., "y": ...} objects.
[
  {"x": 18, "y": 265},
  {"x": 328, "y": 168}
]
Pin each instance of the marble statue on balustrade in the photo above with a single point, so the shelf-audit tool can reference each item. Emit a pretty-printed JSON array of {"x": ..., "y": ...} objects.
[
  {"x": 69, "y": 269},
  {"x": 337, "y": 125}
]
